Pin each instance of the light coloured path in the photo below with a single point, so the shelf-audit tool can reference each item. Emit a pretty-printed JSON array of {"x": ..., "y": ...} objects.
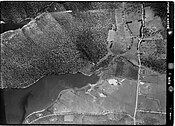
[
  {"x": 153, "y": 112},
  {"x": 139, "y": 62}
]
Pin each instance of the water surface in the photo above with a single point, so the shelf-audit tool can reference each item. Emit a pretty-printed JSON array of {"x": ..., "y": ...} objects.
[{"x": 21, "y": 102}]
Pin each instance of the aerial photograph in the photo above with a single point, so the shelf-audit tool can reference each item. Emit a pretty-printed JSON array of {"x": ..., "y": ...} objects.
[{"x": 84, "y": 62}]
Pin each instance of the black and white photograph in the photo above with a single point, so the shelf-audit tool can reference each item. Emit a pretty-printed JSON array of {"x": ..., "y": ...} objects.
[{"x": 87, "y": 62}]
